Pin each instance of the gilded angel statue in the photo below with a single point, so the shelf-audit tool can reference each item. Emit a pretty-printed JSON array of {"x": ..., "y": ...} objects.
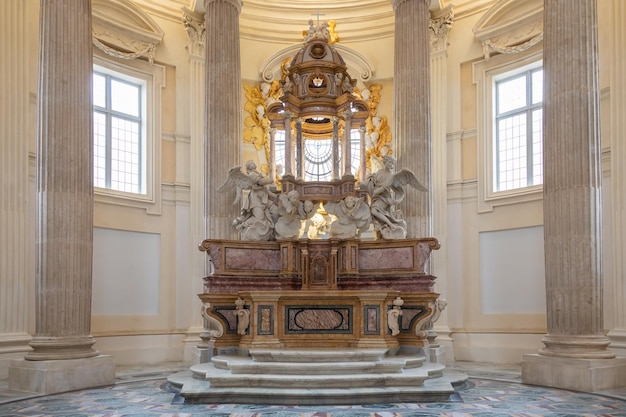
[
  {"x": 386, "y": 190},
  {"x": 258, "y": 210}
]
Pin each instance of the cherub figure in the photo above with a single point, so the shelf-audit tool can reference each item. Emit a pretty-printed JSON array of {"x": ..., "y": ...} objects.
[
  {"x": 258, "y": 210},
  {"x": 353, "y": 216},
  {"x": 290, "y": 215},
  {"x": 386, "y": 191}
]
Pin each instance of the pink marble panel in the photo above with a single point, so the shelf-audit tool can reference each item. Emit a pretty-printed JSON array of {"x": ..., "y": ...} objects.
[
  {"x": 371, "y": 320},
  {"x": 395, "y": 258},
  {"x": 318, "y": 319},
  {"x": 251, "y": 259}
]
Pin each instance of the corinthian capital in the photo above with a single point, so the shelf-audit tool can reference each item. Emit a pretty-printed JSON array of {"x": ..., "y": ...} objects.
[
  {"x": 439, "y": 29},
  {"x": 195, "y": 27}
]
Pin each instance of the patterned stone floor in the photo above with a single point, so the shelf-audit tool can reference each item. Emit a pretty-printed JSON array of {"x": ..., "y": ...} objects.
[{"x": 490, "y": 391}]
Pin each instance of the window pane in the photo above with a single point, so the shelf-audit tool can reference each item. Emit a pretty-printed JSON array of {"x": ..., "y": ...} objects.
[
  {"x": 318, "y": 160},
  {"x": 279, "y": 152},
  {"x": 99, "y": 149},
  {"x": 125, "y": 98},
  {"x": 124, "y": 155},
  {"x": 537, "y": 125},
  {"x": 537, "y": 86},
  {"x": 512, "y": 161},
  {"x": 355, "y": 150},
  {"x": 511, "y": 94},
  {"x": 99, "y": 90}
]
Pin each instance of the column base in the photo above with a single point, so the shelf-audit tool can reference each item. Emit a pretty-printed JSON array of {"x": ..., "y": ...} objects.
[
  {"x": 50, "y": 377},
  {"x": 587, "y": 375}
]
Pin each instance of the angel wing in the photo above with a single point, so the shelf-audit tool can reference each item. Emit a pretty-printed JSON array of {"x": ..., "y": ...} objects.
[
  {"x": 236, "y": 178},
  {"x": 377, "y": 163},
  {"x": 404, "y": 177}
]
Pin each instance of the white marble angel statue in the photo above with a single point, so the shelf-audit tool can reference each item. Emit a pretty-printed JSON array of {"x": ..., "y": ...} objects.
[
  {"x": 386, "y": 190},
  {"x": 353, "y": 217},
  {"x": 291, "y": 212},
  {"x": 258, "y": 210}
]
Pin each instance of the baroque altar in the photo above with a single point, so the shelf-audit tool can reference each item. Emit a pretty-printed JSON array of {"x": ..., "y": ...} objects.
[{"x": 323, "y": 299}]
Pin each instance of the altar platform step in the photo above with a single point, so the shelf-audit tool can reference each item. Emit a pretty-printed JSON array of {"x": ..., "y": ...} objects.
[{"x": 364, "y": 376}]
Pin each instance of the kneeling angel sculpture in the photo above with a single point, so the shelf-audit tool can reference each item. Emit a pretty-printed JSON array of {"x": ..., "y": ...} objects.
[
  {"x": 258, "y": 210},
  {"x": 386, "y": 191}
]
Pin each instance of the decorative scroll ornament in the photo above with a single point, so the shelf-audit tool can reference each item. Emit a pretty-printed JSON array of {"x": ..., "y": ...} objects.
[
  {"x": 214, "y": 329},
  {"x": 510, "y": 26},
  {"x": 490, "y": 45},
  {"x": 148, "y": 51},
  {"x": 123, "y": 30}
]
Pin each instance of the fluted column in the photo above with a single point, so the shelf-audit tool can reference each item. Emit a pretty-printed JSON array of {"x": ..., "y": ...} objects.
[
  {"x": 572, "y": 207},
  {"x": 618, "y": 172},
  {"x": 572, "y": 180},
  {"x": 63, "y": 358},
  {"x": 195, "y": 28},
  {"x": 439, "y": 29},
  {"x": 16, "y": 255},
  {"x": 411, "y": 108},
  {"x": 223, "y": 112},
  {"x": 64, "y": 183}
]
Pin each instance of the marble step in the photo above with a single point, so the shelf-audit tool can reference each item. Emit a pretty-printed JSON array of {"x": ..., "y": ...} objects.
[
  {"x": 219, "y": 378},
  {"x": 240, "y": 364},
  {"x": 317, "y": 355},
  {"x": 196, "y": 391}
]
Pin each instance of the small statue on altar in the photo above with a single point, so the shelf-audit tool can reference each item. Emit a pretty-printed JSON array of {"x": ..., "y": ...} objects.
[
  {"x": 243, "y": 317},
  {"x": 353, "y": 217},
  {"x": 258, "y": 210},
  {"x": 386, "y": 191},
  {"x": 393, "y": 316}
]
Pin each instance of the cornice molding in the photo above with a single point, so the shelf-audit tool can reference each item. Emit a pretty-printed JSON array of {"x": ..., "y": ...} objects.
[
  {"x": 510, "y": 26},
  {"x": 123, "y": 30}
]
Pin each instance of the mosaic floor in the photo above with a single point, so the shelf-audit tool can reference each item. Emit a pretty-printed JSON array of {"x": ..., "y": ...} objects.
[{"x": 488, "y": 392}]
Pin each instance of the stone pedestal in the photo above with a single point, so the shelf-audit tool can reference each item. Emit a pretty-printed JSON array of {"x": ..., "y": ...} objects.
[
  {"x": 50, "y": 377},
  {"x": 588, "y": 375}
]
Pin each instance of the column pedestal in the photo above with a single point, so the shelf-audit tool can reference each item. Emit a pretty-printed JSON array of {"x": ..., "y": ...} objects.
[
  {"x": 50, "y": 377},
  {"x": 588, "y": 375}
]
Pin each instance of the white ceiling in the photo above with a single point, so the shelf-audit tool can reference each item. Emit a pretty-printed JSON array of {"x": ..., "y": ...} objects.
[{"x": 282, "y": 21}]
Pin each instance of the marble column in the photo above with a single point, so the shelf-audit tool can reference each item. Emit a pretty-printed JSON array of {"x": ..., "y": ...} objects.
[
  {"x": 288, "y": 150},
  {"x": 347, "y": 144},
  {"x": 362, "y": 165},
  {"x": 575, "y": 355},
  {"x": 300, "y": 169},
  {"x": 222, "y": 113},
  {"x": 62, "y": 343},
  {"x": 617, "y": 81},
  {"x": 411, "y": 109},
  {"x": 272, "y": 161},
  {"x": 16, "y": 237},
  {"x": 335, "y": 174}
]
